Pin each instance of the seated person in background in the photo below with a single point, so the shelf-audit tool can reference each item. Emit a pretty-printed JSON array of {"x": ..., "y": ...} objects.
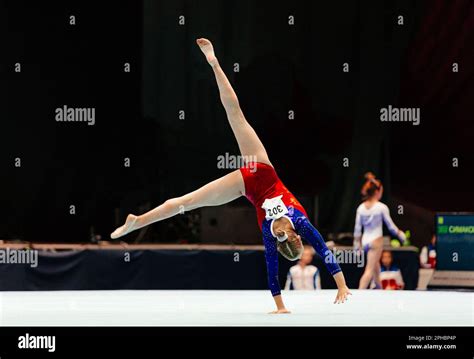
[
  {"x": 390, "y": 275},
  {"x": 304, "y": 275},
  {"x": 428, "y": 254}
]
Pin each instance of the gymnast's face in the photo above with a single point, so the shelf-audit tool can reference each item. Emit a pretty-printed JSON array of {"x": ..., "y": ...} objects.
[{"x": 292, "y": 248}]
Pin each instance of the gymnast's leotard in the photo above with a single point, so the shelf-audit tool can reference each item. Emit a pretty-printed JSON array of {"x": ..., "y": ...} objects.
[
  {"x": 272, "y": 200},
  {"x": 371, "y": 220}
]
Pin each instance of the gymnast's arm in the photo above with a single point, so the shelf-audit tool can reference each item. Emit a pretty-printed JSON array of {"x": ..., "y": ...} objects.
[
  {"x": 271, "y": 257},
  {"x": 311, "y": 234},
  {"x": 358, "y": 231},
  {"x": 391, "y": 225}
]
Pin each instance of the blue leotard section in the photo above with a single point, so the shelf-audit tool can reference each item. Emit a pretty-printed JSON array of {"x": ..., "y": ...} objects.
[
  {"x": 307, "y": 231},
  {"x": 271, "y": 257}
]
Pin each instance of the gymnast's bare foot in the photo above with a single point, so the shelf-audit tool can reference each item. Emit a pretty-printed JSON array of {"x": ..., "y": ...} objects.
[
  {"x": 128, "y": 227},
  {"x": 206, "y": 47}
]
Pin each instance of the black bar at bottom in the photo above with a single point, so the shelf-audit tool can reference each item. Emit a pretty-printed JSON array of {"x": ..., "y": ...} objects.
[{"x": 20, "y": 342}]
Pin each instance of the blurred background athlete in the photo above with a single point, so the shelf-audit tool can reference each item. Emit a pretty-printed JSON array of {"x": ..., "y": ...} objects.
[{"x": 370, "y": 217}]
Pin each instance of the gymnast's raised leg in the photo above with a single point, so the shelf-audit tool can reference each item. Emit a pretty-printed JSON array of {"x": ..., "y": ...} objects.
[{"x": 224, "y": 189}]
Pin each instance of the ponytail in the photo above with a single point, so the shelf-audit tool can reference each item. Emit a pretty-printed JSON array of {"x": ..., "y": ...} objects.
[{"x": 371, "y": 185}]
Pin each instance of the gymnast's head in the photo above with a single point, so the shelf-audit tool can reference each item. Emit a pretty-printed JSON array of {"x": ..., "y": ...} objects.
[
  {"x": 292, "y": 247},
  {"x": 372, "y": 188}
]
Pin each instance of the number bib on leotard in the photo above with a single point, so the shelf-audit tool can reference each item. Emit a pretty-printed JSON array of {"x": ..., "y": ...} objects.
[{"x": 274, "y": 208}]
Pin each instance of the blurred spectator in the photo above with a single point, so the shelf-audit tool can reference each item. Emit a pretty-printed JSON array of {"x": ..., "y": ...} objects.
[
  {"x": 428, "y": 254},
  {"x": 390, "y": 275},
  {"x": 304, "y": 275}
]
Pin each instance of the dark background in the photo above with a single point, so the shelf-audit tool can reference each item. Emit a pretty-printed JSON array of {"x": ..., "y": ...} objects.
[{"x": 282, "y": 68}]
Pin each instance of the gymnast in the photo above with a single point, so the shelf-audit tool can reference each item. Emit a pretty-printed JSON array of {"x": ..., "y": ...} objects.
[
  {"x": 370, "y": 216},
  {"x": 281, "y": 217}
]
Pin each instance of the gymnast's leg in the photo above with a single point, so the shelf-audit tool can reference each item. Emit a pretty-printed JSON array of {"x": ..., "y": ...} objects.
[
  {"x": 249, "y": 144},
  {"x": 373, "y": 258},
  {"x": 215, "y": 193}
]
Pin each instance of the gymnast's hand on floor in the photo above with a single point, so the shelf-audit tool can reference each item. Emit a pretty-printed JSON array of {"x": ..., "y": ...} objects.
[
  {"x": 280, "y": 306},
  {"x": 128, "y": 227},
  {"x": 280, "y": 311},
  {"x": 342, "y": 295}
]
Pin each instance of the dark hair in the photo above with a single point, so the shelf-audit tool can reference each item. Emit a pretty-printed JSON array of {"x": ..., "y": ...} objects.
[{"x": 371, "y": 185}]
